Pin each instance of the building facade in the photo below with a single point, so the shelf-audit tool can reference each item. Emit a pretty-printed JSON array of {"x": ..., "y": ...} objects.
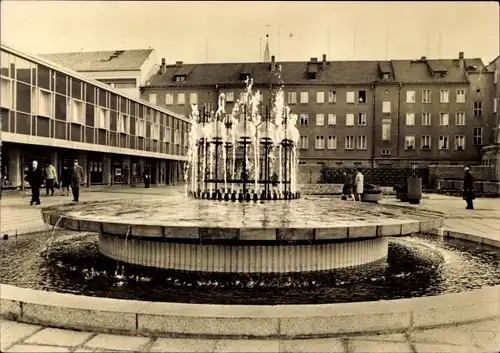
[
  {"x": 124, "y": 70},
  {"x": 51, "y": 113},
  {"x": 397, "y": 112}
]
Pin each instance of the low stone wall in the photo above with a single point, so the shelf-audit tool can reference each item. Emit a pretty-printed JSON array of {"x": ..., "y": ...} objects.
[
  {"x": 333, "y": 189},
  {"x": 486, "y": 187}
]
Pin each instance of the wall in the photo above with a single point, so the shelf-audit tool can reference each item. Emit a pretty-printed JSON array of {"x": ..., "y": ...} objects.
[
  {"x": 456, "y": 172},
  {"x": 110, "y": 75}
]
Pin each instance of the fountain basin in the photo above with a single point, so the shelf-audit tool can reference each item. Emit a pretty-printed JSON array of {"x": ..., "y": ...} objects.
[{"x": 310, "y": 234}]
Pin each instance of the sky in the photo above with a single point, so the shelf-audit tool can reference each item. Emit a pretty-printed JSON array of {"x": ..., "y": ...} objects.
[{"x": 235, "y": 31}]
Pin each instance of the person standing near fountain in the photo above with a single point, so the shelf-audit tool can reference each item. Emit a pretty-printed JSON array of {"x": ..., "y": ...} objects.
[
  {"x": 349, "y": 185},
  {"x": 35, "y": 179},
  {"x": 469, "y": 188},
  {"x": 358, "y": 182},
  {"x": 50, "y": 179},
  {"x": 76, "y": 180},
  {"x": 65, "y": 180}
]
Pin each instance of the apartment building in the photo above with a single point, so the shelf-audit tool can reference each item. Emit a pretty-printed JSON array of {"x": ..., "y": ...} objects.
[
  {"x": 395, "y": 112},
  {"x": 124, "y": 70},
  {"x": 51, "y": 113}
]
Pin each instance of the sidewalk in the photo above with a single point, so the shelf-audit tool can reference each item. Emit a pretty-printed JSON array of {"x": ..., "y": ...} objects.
[
  {"x": 482, "y": 337},
  {"x": 16, "y": 214}
]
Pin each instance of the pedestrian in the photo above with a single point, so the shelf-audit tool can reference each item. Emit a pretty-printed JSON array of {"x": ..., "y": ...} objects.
[
  {"x": 359, "y": 181},
  {"x": 76, "y": 180},
  {"x": 35, "y": 179},
  {"x": 50, "y": 179},
  {"x": 65, "y": 180},
  {"x": 349, "y": 184},
  {"x": 469, "y": 194},
  {"x": 146, "y": 177}
]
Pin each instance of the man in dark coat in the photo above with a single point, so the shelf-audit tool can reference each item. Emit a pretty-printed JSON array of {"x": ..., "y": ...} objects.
[
  {"x": 469, "y": 188},
  {"x": 35, "y": 179},
  {"x": 76, "y": 180},
  {"x": 147, "y": 177}
]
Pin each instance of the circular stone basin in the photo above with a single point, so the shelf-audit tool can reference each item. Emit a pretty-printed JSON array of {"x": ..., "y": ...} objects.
[{"x": 310, "y": 234}]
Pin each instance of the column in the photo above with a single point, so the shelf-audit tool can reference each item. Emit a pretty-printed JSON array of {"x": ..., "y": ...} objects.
[
  {"x": 15, "y": 166},
  {"x": 127, "y": 169},
  {"x": 106, "y": 170}
]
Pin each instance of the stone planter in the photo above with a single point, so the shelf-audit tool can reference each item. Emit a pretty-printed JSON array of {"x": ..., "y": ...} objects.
[{"x": 372, "y": 197}]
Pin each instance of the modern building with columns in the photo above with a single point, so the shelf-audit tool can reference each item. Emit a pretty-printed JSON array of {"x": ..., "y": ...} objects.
[{"x": 51, "y": 113}]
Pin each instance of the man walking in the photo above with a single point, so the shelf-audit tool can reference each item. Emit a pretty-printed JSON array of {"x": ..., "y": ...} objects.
[
  {"x": 469, "y": 195},
  {"x": 35, "y": 179},
  {"x": 76, "y": 180},
  {"x": 50, "y": 179}
]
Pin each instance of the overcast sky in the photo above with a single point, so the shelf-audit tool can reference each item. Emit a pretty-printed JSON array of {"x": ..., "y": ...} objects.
[{"x": 196, "y": 32}]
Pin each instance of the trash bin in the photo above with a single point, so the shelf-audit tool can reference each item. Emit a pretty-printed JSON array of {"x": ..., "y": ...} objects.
[{"x": 414, "y": 190}]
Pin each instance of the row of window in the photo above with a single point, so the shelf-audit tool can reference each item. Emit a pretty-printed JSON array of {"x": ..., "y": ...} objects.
[
  {"x": 321, "y": 97},
  {"x": 360, "y": 142},
  {"x": 444, "y": 141},
  {"x": 359, "y": 119},
  {"x": 31, "y": 88}
]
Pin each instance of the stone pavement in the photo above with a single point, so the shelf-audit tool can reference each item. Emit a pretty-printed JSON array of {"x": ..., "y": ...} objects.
[
  {"x": 16, "y": 214},
  {"x": 482, "y": 337}
]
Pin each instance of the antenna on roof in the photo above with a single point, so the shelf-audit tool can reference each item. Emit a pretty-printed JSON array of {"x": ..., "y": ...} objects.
[
  {"x": 439, "y": 45},
  {"x": 206, "y": 50},
  {"x": 386, "y": 36},
  {"x": 354, "y": 44},
  {"x": 328, "y": 42},
  {"x": 279, "y": 42},
  {"x": 427, "y": 45},
  {"x": 260, "y": 49}
]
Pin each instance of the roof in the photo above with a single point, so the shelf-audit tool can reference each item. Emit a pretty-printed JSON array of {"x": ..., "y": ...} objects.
[
  {"x": 335, "y": 72},
  {"x": 68, "y": 71},
  {"x": 113, "y": 60}
]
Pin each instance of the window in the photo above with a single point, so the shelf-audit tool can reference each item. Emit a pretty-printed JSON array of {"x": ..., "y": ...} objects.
[
  {"x": 460, "y": 96},
  {"x": 169, "y": 98},
  {"x": 426, "y": 96},
  {"x": 410, "y": 96},
  {"x": 122, "y": 124},
  {"x": 444, "y": 96},
  {"x": 320, "y": 119},
  {"x": 320, "y": 143},
  {"x": 349, "y": 119},
  {"x": 410, "y": 119},
  {"x": 180, "y": 78},
  {"x": 459, "y": 142},
  {"x": 103, "y": 118},
  {"x": 230, "y": 97},
  {"x": 349, "y": 142},
  {"x": 478, "y": 136},
  {"x": 304, "y": 97},
  {"x": 320, "y": 97},
  {"x": 303, "y": 119},
  {"x": 362, "y": 119},
  {"x": 332, "y": 97},
  {"x": 155, "y": 132},
  {"x": 425, "y": 142},
  {"x": 177, "y": 137},
  {"x": 460, "y": 118},
  {"x": 444, "y": 119},
  {"x": 6, "y": 92},
  {"x": 193, "y": 98},
  {"x": 349, "y": 97},
  {"x": 362, "y": 96},
  {"x": 361, "y": 143},
  {"x": 77, "y": 112},
  {"x": 386, "y": 106},
  {"x": 443, "y": 142},
  {"x": 332, "y": 143},
  {"x": 304, "y": 142},
  {"x": 386, "y": 129},
  {"x": 332, "y": 119},
  {"x": 426, "y": 119},
  {"x": 181, "y": 98},
  {"x": 44, "y": 103},
  {"x": 409, "y": 142},
  {"x": 140, "y": 128},
  {"x": 292, "y": 97},
  {"x": 125, "y": 83},
  {"x": 152, "y": 98},
  {"x": 478, "y": 109}
]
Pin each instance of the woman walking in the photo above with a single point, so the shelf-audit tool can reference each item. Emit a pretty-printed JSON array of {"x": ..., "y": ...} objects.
[{"x": 65, "y": 180}]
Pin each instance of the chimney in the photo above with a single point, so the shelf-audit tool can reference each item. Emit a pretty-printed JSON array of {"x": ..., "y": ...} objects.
[
  {"x": 324, "y": 62},
  {"x": 461, "y": 60},
  {"x": 423, "y": 58},
  {"x": 163, "y": 66},
  {"x": 273, "y": 63},
  {"x": 178, "y": 63}
]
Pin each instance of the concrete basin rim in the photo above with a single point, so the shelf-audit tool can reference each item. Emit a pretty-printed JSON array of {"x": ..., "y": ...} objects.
[{"x": 369, "y": 308}]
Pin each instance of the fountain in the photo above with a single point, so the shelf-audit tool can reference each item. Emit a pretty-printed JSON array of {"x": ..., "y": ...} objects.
[{"x": 245, "y": 155}]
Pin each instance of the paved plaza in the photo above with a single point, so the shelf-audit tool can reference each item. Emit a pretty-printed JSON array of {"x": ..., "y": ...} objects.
[{"x": 18, "y": 216}]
